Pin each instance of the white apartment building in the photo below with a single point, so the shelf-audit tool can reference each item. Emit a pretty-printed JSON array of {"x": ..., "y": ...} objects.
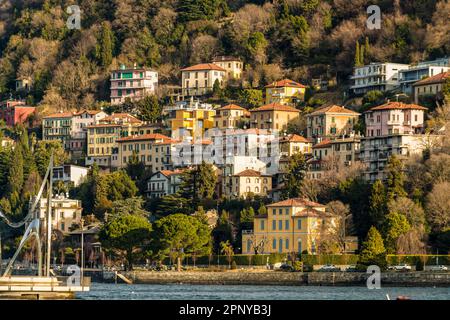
[
  {"x": 420, "y": 71},
  {"x": 376, "y": 76},
  {"x": 134, "y": 83},
  {"x": 70, "y": 174},
  {"x": 164, "y": 182}
]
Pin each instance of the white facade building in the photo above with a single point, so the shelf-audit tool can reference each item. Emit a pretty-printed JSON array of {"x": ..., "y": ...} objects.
[
  {"x": 376, "y": 76},
  {"x": 70, "y": 174}
]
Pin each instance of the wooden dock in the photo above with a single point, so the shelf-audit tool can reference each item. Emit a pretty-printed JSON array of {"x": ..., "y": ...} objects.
[{"x": 40, "y": 288}]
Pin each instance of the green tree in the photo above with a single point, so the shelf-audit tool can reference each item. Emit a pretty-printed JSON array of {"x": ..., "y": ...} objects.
[
  {"x": 105, "y": 47},
  {"x": 43, "y": 151},
  {"x": 373, "y": 251},
  {"x": 135, "y": 168},
  {"x": 357, "y": 55},
  {"x": 251, "y": 98},
  {"x": 378, "y": 203},
  {"x": 169, "y": 204},
  {"x": 129, "y": 235},
  {"x": 247, "y": 215},
  {"x": 179, "y": 235},
  {"x": 149, "y": 108},
  {"x": 396, "y": 225},
  {"x": 132, "y": 206},
  {"x": 198, "y": 183},
  {"x": 395, "y": 178},
  {"x": 227, "y": 249},
  {"x": 217, "y": 91},
  {"x": 296, "y": 172}
]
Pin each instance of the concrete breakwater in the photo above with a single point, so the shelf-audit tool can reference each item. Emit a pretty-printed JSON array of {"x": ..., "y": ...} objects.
[{"x": 286, "y": 278}]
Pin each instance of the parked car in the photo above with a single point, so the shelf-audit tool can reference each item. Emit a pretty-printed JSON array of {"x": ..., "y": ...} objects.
[
  {"x": 438, "y": 268},
  {"x": 351, "y": 268},
  {"x": 329, "y": 268},
  {"x": 402, "y": 267},
  {"x": 286, "y": 267}
]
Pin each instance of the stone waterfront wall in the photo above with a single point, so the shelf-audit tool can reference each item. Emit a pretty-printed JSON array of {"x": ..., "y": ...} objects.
[{"x": 289, "y": 278}]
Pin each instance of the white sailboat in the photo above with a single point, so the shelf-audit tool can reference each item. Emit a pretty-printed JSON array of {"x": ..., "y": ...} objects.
[{"x": 44, "y": 285}]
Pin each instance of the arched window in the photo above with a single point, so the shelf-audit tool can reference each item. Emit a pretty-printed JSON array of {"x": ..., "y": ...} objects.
[
  {"x": 248, "y": 180},
  {"x": 265, "y": 189},
  {"x": 248, "y": 189},
  {"x": 265, "y": 180},
  {"x": 256, "y": 189},
  {"x": 280, "y": 245}
]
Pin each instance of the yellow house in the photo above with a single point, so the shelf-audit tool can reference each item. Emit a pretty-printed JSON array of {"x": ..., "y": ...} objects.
[
  {"x": 293, "y": 143},
  {"x": 430, "y": 86},
  {"x": 153, "y": 150},
  {"x": 230, "y": 116},
  {"x": 199, "y": 79},
  {"x": 191, "y": 121},
  {"x": 101, "y": 137},
  {"x": 290, "y": 226},
  {"x": 273, "y": 116},
  {"x": 331, "y": 121},
  {"x": 248, "y": 182},
  {"x": 285, "y": 92},
  {"x": 232, "y": 65}
]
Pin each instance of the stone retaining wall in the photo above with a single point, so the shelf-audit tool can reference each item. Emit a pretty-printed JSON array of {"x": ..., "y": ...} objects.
[{"x": 289, "y": 278}]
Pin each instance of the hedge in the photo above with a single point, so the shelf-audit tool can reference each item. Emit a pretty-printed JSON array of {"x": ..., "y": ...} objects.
[
  {"x": 339, "y": 259},
  {"x": 240, "y": 259},
  {"x": 412, "y": 259}
]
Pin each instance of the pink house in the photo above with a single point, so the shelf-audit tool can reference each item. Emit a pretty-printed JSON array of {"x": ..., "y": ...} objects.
[
  {"x": 15, "y": 112},
  {"x": 394, "y": 118}
]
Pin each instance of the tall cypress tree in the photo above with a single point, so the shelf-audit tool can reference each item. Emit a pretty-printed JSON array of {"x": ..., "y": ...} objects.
[
  {"x": 366, "y": 50},
  {"x": 357, "y": 55},
  {"x": 378, "y": 204},
  {"x": 106, "y": 44},
  {"x": 295, "y": 175}
]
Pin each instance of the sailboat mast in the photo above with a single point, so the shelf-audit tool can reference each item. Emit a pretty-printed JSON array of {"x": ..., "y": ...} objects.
[{"x": 49, "y": 217}]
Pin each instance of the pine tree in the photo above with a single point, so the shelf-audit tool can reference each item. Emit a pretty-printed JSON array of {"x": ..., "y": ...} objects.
[
  {"x": 361, "y": 53},
  {"x": 373, "y": 251},
  {"x": 15, "y": 175},
  {"x": 396, "y": 225},
  {"x": 296, "y": 173}
]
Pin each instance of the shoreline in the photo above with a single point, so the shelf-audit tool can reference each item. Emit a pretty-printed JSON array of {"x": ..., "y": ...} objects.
[{"x": 392, "y": 279}]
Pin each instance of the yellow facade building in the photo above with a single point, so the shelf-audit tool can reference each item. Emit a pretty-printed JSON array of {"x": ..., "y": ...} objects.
[
  {"x": 248, "y": 182},
  {"x": 102, "y": 137},
  {"x": 290, "y": 226},
  {"x": 285, "y": 92},
  {"x": 190, "y": 120},
  {"x": 273, "y": 116},
  {"x": 230, "y": 116},
  {"x": 331, "y": 121},
  {"x": 293, "y": 143},
  {"x": 232, "y": 65},
  {"x": 153, "y": 150}
]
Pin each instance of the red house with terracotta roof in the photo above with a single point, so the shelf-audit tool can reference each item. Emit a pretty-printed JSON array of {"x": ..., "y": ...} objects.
[{"x": 15, "y": 112}]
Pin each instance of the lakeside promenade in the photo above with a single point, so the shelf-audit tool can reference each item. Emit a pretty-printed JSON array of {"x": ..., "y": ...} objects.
[{"x": 258, "y": 277}]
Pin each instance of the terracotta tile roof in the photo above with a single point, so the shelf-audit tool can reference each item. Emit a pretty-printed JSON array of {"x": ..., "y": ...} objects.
[
  {"x": 151, "y": 136},
  {"x": 333, "y": 109},
  {"x": 225, "y": 58},
  {"x": 310, "y": 212},
  {"x": 323, "y": 144},
  {"x": 397, "y": 106},
  {"x": 121, "y": 116},
  {"x": 231, "y": 107},
  {"x": 441, "y": 77},
  {"x": 203, "y": 66},
  {"x": 91, "y": 112},
  {"x": 250, "y": 173},
  {"x": 59, "y": 115},
  {"x": 168, "y": 173},
  {"x": 100, "y": 125},
  {"x": 285, "y": 83},
  {"x": 294, "y": 138},
  {"x": 296, "y": 202},
  {"x": 275, "y": 107}
]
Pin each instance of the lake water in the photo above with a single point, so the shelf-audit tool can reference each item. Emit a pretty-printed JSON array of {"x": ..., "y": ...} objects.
[{"x": 102, "y": 291}]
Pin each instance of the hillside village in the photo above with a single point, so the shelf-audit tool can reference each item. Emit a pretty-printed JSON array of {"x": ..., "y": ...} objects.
[{"x": 232, "y": 160}]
